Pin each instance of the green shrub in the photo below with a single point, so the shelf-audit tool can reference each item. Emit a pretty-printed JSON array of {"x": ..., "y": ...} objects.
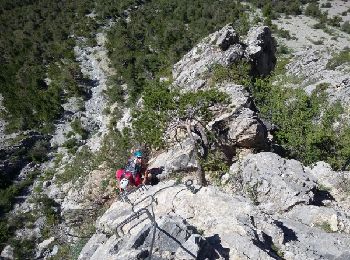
[
  {"x": 162, "y": 104},
  {"x": 4, "y": 233},
  {"x": 39, "y": 49},
  {"x": 325, "y": 226},
  {"x": 72, "y": 145},
  {"x": 238, "y": 73},
  {"x": 326, "y": 5},
  {"x": 346, "y": 27},
  {"x": 8, "y": 195},
  {"x": 304, "y": 122},
  {"x": 146, "y": 47},
  {"x": 39, "y": 151},
  {"x": 78, "y": 128},
  {"x": 82, "y": 164},
  {"x": 284, "y": 34},
  {"x": 23, "y": 248},
  {"x": 283, "y": 49},
  {"x": 313, "y": 10},
  {"x": 338, "y": 59},
  {"x": 114, "y": 93},
  {"x": 115, "y": 149},
  {"x": 335, "y": 21}
]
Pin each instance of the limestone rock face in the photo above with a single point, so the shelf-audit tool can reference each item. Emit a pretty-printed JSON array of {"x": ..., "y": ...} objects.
[
  {"x": 221, "y": 47},
  {"x": 274, "y": 183},
  {"x": 232, "y": 226},
  {"x": 224, "y": 48},
  {"x": 236, "y": 124},
  {"x": 261, "y": 48},
  {"x": 179, "y": 158},
  {"x": 7, "y": 253}
]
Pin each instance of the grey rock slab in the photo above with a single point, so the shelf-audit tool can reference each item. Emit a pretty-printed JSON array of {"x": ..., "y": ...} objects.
[
  {"x": 305, "y": 242},
  {"x": 276, "y": 184},
  {"x": 336, "y": 182},
  {"x": 91, "y": 246},
  {"x": 242, "y": 129},
  {"x": 261, "y": 49},
  {"x": 313, "y": 216},
  {"x": 220, "y": 47},
  {"x": 7, "y": 253},
  {"x": 44, "y": 246},
  {"x": 181, "y": 157}
]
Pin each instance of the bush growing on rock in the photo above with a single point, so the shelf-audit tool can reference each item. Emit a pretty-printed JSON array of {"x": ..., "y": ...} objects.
[
  {"x": 163, "y": 105},
  {"x": 304, "y": 122},
  {"x": 346, "y": 27},
  {"x": 313, "y": 10},
  {"x": 338, "y": 59}
]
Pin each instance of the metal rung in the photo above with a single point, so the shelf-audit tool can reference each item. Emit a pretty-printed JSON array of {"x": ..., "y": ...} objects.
[
  {"x": 124, "y": 195},
  {"x": 136, "y": 215},
  {"x": 145, "y": 198}
]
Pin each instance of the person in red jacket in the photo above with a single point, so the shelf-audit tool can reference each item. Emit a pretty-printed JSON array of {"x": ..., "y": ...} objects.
[{"x": 133, "y": 172}]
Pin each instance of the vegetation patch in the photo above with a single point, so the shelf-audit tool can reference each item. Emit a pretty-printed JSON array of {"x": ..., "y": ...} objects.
[
  {"x": 162, "y": 104},
  {"x": 326, "y": 226},
  {"x": 339, "y": 59},
  {"x": 304, "y": 122}
]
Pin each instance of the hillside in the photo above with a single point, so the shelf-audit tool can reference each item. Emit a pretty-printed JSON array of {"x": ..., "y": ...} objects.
[{"x": 245, "y": 106}]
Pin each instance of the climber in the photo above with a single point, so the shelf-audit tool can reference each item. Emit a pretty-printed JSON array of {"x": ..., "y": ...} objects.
[
  {"x": 133, "y": 172},
  {"x": 124, "y": 179}
]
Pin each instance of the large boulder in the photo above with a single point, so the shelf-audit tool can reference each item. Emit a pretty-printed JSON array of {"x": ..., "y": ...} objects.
[
  {"x": 221, "y": 47},
  {"x": 180, "y": 157},
  {"x": 261, "y": 48},
  {"x": 274, "y": 183},
  {"x": 173, "y": 236}
]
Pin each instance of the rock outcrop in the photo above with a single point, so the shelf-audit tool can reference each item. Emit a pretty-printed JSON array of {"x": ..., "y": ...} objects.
[
  {"x": 277, "y": 215},
  {"x": 224, "y": 48},
  {"x": 274, "y": 183},
  {"x": 236, "y": 125}
]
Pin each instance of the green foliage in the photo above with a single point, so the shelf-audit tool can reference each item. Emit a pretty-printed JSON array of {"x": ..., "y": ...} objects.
[
  {"x": 78, "y": 128},
  {"x": 48, "y": 209},
  {"x": 161, "y": 104},
  {"x": 23, "y": 248},
  {"x": 326, "y": 5},
  {"x": 238, "y": 72},
  {"x": 148, "y": 45},
  {"x": 70, "y": 251},
  {"x": 4, "y": 232},
  {"x": 284, "y": 34},
  {"x": 338, "y": 59},
  {"x": 72, "y": 145},
  {"x": 82, "y": 164},
  {"x": 326, "y": 226},
  {"x": 277, "y": 251},
  {"x": 8, "y": 195},
  {"x": 283, "y": 49},
  {"x": 335, "y": 21},
  {"x": 346, "y": 27},
  {"x": 305, "y": 122},
  {"x": 313, "y": 10},
  {"x": 115, "y": 148},
  {"x": 39, "y": 151},
  {"x": 35, "y": 44},
  {"x": 115, "y": 93},
  {"x": 216, "y": 164}
]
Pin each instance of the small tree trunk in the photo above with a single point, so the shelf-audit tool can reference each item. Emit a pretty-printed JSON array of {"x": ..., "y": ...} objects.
[{"x": 200, "y": 173}]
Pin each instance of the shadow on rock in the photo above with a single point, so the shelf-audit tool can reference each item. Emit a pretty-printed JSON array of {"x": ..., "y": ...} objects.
[
  {"x": 321, "y": 196},
  {"x": 217, "y": 251}
]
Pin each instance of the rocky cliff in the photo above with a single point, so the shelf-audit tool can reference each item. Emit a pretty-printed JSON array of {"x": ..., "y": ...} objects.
[
  {"x": 265, "y": 207},
  {"x": 262, "y": 206}
]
